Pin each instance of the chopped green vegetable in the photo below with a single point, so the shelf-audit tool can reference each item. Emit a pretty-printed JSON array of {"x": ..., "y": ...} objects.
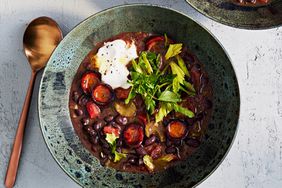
[
  {"x": 179, "y": 79},
  {"x": 165, "y": 109},
  {"x": 189, "y": 86},
  {"x": 111, "y": 138},
  {"x": 183, "y": 110},
  {"x": 160, "y": 87},
  {"x": 169, "y": 96},
  {"x": 148, "y": 161},
  {"x": 173, "y": 50},
  {"x": 182, "y": 66},
  {"x": 166, "y": 40},
  {"x": 118, "y": 156},
  {"x": 167, "y": 158}
]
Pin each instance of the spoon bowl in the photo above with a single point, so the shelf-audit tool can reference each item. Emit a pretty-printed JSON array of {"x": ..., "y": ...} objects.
[{"x": 40, "y": 39}]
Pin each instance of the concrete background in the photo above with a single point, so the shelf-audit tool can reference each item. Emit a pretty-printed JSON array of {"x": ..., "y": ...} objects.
[{"x": 255, "y": 160}]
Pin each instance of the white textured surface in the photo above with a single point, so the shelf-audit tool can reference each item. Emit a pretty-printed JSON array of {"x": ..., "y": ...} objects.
[{"x": 255, "y": 160}]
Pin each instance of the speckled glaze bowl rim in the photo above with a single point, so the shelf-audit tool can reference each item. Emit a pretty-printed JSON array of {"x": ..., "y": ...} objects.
[
  {"x": 226, "y": 23},
  {"x": 145, "y": 5}
]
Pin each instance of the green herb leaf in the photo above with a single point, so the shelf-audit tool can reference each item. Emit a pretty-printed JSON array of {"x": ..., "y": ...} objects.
[
  {"x": 182, "y": 66},
  {"x": 173, "y": 50},
  {"x": 183, "y": 110},
  {"x": 111, "y": 138},
  {"x": 147, "y": 63},
  {"x": 131, "y": 95},
  {"x": 118, "y": 156},
  {"x": 148, "y": 161},
  {"x": 169, "y": 96},
  {"x": 136, "y": 67}
]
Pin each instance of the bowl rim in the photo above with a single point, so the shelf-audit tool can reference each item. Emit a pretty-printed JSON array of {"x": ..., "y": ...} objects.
[
  {"x": 144, "y": 5},
  {"x": 226, "y": 23}
]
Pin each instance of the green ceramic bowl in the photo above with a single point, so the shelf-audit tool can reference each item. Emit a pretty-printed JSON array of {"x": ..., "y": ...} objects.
[
  {"x": 55, "y": 121},
  {"x": 224, "y": 11}
]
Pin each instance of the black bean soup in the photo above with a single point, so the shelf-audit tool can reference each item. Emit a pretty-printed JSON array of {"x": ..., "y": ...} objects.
[
  {"x": 140, "y": 144},
  {"x": 252, "y": 2}
]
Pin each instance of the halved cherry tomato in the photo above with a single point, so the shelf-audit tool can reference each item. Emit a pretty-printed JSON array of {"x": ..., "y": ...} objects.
[
  {"x": 150, "y": 43},
  {"x": 92, "y": 109},
  {"x": 177, "y": 129},
  {"x": 109, "y": 129},
  {"x": 102, "y": 94},
  {"x": 122, "y": 93},
  {"x": 133, "y": 135},
  {"x": 89, "y": 81}
]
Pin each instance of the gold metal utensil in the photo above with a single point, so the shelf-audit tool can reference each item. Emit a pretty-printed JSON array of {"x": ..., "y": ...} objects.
[{"x": 41, "y": 37}]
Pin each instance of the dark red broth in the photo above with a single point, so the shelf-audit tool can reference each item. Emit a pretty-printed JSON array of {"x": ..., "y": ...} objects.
[{"x": 91, "y": 127}]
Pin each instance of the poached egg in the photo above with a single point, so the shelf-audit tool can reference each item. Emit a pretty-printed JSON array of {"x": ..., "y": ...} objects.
[{"x": 112, "y": 59}]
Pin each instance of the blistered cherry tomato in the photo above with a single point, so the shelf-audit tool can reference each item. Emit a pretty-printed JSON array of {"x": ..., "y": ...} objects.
[
  {"x": 133, "y": 135},
  {"x": 102, "y": 94},
  {"x": 177, "y": 129},
  {"x": 89, "y": 81}
]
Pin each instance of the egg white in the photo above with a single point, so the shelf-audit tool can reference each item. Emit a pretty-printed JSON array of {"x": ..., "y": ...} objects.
[{"x": 112, "y": 59}]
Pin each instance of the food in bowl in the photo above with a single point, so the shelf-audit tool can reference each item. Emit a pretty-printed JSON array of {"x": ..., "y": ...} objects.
[
  {"x": 253, "y": 2},
  {"x": 141, "y": 102}
]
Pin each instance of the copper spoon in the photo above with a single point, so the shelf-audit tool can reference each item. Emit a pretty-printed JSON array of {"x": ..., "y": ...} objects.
[{"x": 41, "y": 37}]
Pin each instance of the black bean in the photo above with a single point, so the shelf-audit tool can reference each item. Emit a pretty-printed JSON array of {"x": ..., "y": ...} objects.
[
  {"x": 171, "y": 149},
  {"x": 94, "y": 140},
  {"x": 141, "y": 151},
  {"x": 89, "y": 129},
  {"x": 118, "y": 149},
  {"x": 121, "y": 120},
  {"x": 109, "y": 118},
  {"x": 150, "y": 140},
  {"x": 83, "y": 99},
  {"x": 85, "y": 121},
  {"x": 104, "y": 161},
  {"x": 132, "y": 160},
  {"x": 97, "y": 125},
  {"x": 140, "y": 161},
  {"x": 178, "y": 142},
  {"x": 75, "y": 96},
  {"x": 106, "y": 151},
  {"x": 78, "y": 112},
  {"x": 193, "y": 143},
  {"x": 114, "y": 124},
  {"x": 104, "y": 143},
  {"x": 168, "y": 143},
  {"x": 119, "y": 142},
  {"x": 102, "y": 155},
  {"x": 199, "y": 116}
]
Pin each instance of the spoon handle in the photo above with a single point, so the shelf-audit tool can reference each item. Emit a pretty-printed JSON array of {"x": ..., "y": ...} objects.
[{"x": 17, "y": 147}]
